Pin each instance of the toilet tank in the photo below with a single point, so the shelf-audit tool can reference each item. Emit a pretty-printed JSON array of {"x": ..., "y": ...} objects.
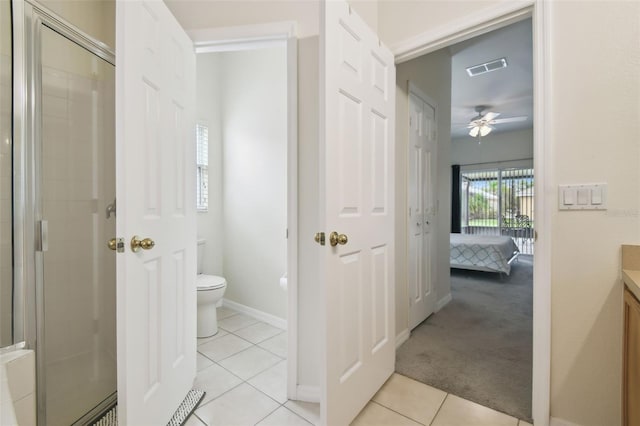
[{"x": 201, "y": 243}]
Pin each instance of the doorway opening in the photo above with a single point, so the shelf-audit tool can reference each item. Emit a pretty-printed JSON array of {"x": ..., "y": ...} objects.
[
  {"x": 247, "y": 217},
  {"x": 478, "y": 338}
]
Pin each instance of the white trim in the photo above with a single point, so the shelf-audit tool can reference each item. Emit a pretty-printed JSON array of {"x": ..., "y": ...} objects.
[
  {"x": 544, "y": 206},
  {"x": 443, "y": 302},
  {"x": 402, "y": 337},
  {"x": 492, "y": 18},
  {"x": 505, "y": 13},
  {"x": 259, "y": 315},
  {"x": 308, "y": 393},
  {"x": 243, "y": 37},
  {"x": 292, "y": 214}
]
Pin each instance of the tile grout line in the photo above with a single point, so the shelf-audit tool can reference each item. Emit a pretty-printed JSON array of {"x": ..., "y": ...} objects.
[
  {"x": 439, "y": 408},
  {"x": 397, "y": 412},
  {"x": 296, "y": 414},
  {"x": 223, "y": 393},
  {"x": 243, "y": 381},
  {"x": 270, "y": 413}
]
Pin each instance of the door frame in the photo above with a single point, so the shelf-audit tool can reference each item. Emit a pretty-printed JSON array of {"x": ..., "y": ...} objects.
[
  {"x": 249, "y": 37},
  {"x": 473, "y": 25},
  {"x": 413, "y": 88}
]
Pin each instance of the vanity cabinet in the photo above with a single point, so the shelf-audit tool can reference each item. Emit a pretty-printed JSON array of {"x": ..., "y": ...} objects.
[{"x": 631, "y": 378}]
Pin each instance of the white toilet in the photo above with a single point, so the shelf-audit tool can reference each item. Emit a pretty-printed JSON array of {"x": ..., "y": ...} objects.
[{"x": 210, "y": 290}]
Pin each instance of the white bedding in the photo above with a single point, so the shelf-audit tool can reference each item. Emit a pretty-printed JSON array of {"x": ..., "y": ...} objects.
[{"x": 491, "y": 253}]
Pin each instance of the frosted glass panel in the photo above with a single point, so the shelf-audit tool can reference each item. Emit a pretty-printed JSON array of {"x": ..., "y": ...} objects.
[
  {"x": 6, "y": 269},
  {"x": 77, "y": 187}
]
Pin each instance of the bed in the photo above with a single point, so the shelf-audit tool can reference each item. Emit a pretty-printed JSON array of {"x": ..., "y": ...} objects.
[{"x": 491, "y": 253}]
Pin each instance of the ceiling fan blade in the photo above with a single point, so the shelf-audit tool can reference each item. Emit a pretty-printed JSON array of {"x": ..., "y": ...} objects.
[
  {"x": 485, "y": 130},
  {"x": 508, "y": 120},
  {"x": 490, "y": 116}
]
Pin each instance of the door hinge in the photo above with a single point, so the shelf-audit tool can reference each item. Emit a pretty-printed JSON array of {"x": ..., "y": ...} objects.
[{"x": 319, "y": 238}]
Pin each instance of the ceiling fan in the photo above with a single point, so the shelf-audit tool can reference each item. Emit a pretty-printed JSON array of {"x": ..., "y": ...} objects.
[{"x": 482, "y": 125}]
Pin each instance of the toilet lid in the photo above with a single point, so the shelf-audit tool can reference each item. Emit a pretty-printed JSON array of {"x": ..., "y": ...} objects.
[{"x": 209, "y": 282}]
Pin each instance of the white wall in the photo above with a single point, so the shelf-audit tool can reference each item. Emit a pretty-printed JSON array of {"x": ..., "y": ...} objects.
[
  {"x": 432, "y": 74},
  {"x": 209, "y": 94},
  {"x": 586, "y": 286},
  {"x": 254, "y": 177},
  {"x": 242, "y": 97},
  {"x": 495, "y": 147},
  {"x": 586, "y": 298},
  {"x": 195, "y": 14}
]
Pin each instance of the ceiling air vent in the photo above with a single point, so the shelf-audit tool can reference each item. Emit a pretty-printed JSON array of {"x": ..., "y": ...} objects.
[{"x": 487, "y": 67}]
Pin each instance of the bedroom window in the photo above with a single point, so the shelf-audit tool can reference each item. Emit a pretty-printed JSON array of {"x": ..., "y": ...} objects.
[
  {"x": 202, "y": 168},
  {"x": 499, "y": 202}
]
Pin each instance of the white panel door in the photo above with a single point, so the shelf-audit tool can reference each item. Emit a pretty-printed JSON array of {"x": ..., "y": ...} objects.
[
  {"x": 155, "y": 146},
  {"x": 421, "y": 208},
  {"x": 357, "y": 195}
]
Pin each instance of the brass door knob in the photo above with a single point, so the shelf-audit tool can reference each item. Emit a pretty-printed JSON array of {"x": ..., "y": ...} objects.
[
  {"x": 335, "y": 239},
  {"x": 137, "y": 244}
]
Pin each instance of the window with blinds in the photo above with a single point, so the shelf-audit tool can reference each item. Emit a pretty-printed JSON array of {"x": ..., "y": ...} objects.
[
  {"x": 499, "y": 202},
  {"x": 202, "y": 173}
]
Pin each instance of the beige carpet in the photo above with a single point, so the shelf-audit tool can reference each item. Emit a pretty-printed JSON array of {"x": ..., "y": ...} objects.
[{"x": 479, "y": 346}]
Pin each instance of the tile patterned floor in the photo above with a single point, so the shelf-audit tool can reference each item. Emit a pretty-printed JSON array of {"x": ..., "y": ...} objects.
[{"x": 243, "y": 370}]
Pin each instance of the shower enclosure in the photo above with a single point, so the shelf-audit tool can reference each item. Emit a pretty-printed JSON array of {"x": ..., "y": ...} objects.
[{"x": 64, "y": 197}]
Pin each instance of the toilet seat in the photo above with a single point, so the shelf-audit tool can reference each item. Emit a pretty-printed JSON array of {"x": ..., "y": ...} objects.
[{"x": 209, "y": 282}]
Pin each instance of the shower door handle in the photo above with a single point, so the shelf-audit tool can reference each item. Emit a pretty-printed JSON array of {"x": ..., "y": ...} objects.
[{"x": 44, "y": 236}]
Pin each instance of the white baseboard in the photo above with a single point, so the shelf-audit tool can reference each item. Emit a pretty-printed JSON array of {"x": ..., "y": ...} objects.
[
  {"x": 308, "y": 393},
  {"x": 443, "y": 302},
  {"x": 259, "y": 315},
  {"x": 554, "y": 421},
  {"x": 402, "y": 337}
]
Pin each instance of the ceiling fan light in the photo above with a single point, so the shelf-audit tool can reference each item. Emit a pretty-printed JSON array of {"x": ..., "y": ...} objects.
[
  {"x": 484, "y": 130},
  {"x": 474, "y": 132}
]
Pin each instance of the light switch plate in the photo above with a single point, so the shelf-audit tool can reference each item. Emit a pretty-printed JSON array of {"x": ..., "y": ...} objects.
[{"x": 582, "y": 197}]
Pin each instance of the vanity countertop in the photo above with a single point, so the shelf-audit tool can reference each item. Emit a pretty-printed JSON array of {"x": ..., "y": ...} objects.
[
  {"x": 631, "y": 278},
  {"x": 631, "y": 268}
]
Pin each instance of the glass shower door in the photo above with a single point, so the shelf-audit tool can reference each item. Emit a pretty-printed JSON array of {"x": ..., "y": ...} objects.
[{"x": 77, "y": 271}]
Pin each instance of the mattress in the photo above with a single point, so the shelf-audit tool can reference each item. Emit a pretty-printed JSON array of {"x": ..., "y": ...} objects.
[{"x": 493, "y": 253}]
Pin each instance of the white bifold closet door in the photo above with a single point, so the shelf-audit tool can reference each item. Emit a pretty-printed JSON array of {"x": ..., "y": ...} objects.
[{"x": 421, "y": 206}]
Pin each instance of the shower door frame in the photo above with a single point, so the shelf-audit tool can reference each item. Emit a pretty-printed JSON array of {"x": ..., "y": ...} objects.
[{"x": 28, "y": 17}]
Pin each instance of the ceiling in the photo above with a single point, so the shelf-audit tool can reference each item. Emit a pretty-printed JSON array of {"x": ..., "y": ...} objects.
[{"x": 508, "y": 91}]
